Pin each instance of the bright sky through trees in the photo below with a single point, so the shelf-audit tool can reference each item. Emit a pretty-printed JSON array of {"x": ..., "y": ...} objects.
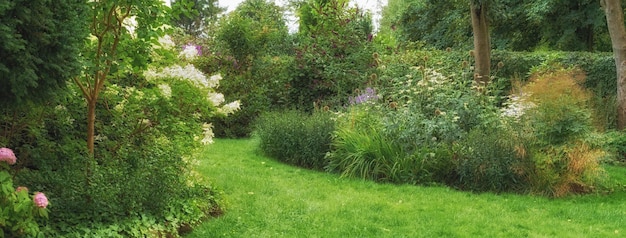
[{"x": 374, "y": 6}]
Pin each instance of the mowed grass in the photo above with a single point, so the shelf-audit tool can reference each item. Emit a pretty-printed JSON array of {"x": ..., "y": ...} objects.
[{"x": 265, "y": 198}]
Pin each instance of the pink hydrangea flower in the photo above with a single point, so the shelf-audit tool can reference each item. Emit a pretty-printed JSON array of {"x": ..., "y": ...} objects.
[
  {"x": 40, "y": 200},
  {"x": 7, "y": 155},
  {"x": 19, "y": 189}
]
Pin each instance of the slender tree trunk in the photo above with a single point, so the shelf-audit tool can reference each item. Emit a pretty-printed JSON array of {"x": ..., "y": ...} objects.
[
  {"x": 615, "y": 21},
  {"x": 482, "y": 44},
  {"x": 91, "y": 124}
]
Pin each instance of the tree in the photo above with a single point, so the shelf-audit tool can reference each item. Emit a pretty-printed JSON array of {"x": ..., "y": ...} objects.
[
  {"x": 39, "y": 47},
  {"x": 615, "y": 21},
  {"x": 254, "y": 29},
  {"x": 193, "y": 16},
  {"x": 122, "y": 34},
  {"x": 482, "y": 42}
]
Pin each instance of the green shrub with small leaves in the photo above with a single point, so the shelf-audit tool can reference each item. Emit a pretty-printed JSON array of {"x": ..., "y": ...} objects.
[
  {"x": 296, "y": 138},
  {"x": 492, "y": 159}
]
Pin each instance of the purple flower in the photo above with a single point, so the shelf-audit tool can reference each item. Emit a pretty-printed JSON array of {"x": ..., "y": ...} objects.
[
  {"x": 7, "y": 155},
  {"x": 40, "y": 200},
  {"x": 369, "y": 95}
]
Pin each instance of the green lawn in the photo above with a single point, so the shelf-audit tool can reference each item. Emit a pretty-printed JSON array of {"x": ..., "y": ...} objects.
[{"x": 264, "y": 198}]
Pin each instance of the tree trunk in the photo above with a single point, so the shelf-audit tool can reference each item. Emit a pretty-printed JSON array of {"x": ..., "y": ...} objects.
[
  {"x": 482, "y": 45},
  {"x": 91, "y": 125},
  {"x": 615, "y": 21}
]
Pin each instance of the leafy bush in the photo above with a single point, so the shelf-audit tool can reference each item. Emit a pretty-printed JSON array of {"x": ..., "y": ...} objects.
[
  {"x": 562, "y": 106},
  {"x": 20, "y": 215},
  {"x": 556, "y": 126},
  {"x": 566, "y": 169},
  {"x": 147, "y": 130},
  {"x": 492, "y": 159},
  {"x": 296, "y": 138}
]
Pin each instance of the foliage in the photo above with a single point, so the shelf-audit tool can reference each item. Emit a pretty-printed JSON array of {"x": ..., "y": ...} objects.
[
  {"x": 515, "y": 25},
  {"x": 557, "y": 126},
  {"x": 261, "y": 89},
  {"x": 40, "y": 47},
  {"x": 493, "y": 159},
  {"x": 562, "y": 113},
  {"x": 194, "y": 16},
  {"x": 296, "y": 138},
  {"x": 256, "y": 28},
  {"x": 19, "y": 214},
  {"x": 333, "y": 54},
  {"x": 362, "y": 150},
  {"x": 148, "y": 131}
]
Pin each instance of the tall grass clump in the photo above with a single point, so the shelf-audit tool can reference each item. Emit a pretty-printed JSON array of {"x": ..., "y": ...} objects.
[
  {"x": 295, "y": 137},
  {"x": 361, "y": 149},
  {"x": 558, "y": 123}
]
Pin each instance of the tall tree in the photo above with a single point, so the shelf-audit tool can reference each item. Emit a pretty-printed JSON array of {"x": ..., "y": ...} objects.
[
  {"x": 194, "y": 16},
  {"x": 122, "y": 34},
  {"x": 39, "y": 47},
  {"x": 615, "y": 21},
  {"x": 482, "y": 41}
]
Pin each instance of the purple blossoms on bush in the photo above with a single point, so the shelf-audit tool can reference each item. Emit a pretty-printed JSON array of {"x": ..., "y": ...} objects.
[{"x": 369, "y": 95}]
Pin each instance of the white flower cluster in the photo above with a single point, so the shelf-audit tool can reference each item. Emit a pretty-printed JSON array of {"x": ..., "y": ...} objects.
[
  {"x": 517, "y": 105},
  {"x": 167, "y": 42},
  {"x": 229, "y": 108},
  {"x": 189, "y": 72},
  {"x": 166, "y": 90},
  {"x": 189, "y": 52},
  {"x": 216, "y": 98},
  {"x": 207, "y": 129},
  {"x": 433, "y": 77}
]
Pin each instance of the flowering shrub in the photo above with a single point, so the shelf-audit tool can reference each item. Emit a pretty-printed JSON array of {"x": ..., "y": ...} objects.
[
  {"x": 147, "y": 129},
  {"x": 19, "y": 214}
]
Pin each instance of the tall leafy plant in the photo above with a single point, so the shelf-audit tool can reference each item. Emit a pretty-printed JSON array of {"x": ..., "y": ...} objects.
[{"x": 121, "y": 34}]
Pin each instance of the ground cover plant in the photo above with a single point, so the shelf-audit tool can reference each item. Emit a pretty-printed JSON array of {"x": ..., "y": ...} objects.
[{"x": 267, "y": 198}]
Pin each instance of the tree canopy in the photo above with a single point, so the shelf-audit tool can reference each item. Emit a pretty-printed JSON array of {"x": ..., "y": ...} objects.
[{"x": 40, "y": 42}]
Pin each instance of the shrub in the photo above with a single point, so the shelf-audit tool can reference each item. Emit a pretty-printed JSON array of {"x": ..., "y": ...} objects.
[
  {"x": 296, "y": 138},
  {"x": 566, "y": 169},
  {"x": 492, "y": 159},
  {"x": 562, "y": 113},
  {"x": 147, "y": 130},
  {"x": 20, "y": 215},
  {"x": 555, "y": 128}
]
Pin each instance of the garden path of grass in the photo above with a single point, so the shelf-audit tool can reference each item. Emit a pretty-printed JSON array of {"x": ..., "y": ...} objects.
[{"x": 264, "y": 198}]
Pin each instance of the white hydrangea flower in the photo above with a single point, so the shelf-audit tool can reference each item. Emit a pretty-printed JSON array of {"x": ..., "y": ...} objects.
[{"x": 216, "y": 98}]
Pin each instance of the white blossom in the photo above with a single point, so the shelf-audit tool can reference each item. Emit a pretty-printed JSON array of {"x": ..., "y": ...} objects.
[
  {"x": 167, "y": 42},
  {"x": 216, "y": 98},
  {"x": 207, "y": 129},
  {"x": 166, "y": 90},
  {"x": 189, "y": 52},
  {"x": 229, "y": 108}
]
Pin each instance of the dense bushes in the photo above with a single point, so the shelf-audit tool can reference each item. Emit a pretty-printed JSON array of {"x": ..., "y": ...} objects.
[
  {"x": 426, "y": 127},
  {"x": 138, "y": 181},
  {"x": 296, "y": 138}
]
